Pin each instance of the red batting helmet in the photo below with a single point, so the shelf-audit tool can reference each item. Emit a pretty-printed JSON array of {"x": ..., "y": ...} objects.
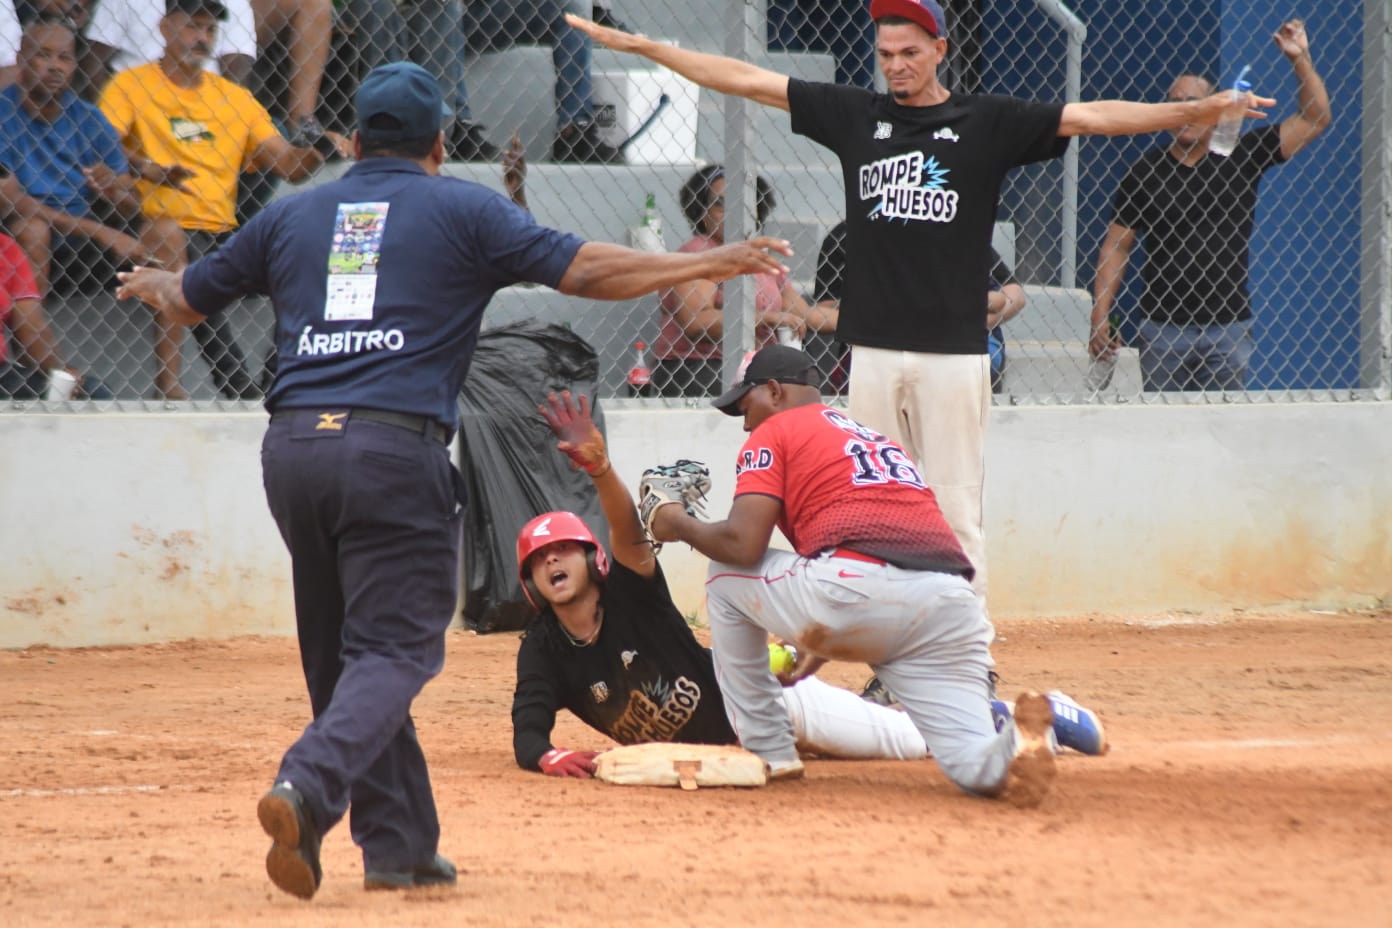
[{"x": 551, "y": 527}]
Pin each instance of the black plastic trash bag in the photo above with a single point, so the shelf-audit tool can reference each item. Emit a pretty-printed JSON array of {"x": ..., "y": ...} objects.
[{"x": 510, "y": 464}]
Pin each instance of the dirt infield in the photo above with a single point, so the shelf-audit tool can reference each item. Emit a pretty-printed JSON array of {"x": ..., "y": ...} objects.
[{"x": 1250, "y": 783}]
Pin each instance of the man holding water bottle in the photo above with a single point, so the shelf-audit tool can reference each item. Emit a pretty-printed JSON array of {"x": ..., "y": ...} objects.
[{"x": 1193, "y": 207}]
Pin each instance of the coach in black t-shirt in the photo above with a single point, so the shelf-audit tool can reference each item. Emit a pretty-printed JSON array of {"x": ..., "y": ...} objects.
[
  {"x": 1193, "y": 211},
  {"x": 923, "y": 168}
]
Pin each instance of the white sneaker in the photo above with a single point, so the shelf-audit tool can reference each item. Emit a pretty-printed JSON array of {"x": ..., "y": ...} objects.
[{"x": 785, "y": 769}]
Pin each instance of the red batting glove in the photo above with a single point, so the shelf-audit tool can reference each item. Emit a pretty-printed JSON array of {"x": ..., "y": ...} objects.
[
  {"x": 561, "y": 763},
  {"x": 580, "y": 439}
]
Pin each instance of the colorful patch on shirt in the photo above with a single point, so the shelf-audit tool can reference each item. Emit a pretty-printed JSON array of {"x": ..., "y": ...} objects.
[
  {"x": 354, "y": 254},
  {"x": 189, "y": 130}
]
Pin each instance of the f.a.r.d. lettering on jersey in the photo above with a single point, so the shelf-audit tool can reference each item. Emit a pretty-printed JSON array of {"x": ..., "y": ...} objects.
[{"x": 754, "y": 459}]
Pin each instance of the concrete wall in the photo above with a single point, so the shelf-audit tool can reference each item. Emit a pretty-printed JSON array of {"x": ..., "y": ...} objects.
[{"x": 143, "y": 527}]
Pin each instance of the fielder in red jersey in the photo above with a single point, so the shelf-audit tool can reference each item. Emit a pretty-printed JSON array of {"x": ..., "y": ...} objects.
[
  {"x": 847, "y": 486},
  {"x": 877, "y": 576}
]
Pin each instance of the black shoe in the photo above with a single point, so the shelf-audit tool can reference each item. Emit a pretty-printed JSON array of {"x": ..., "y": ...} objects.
[
  {"x": 582, "y": 145},
  {"x": 468, "y": 144},
  {"x": 875, "y": 691},
  {"x": 292, "y": 863},
  {"x": 604, "y": 16},
  {"x": 439, "y": 872}
]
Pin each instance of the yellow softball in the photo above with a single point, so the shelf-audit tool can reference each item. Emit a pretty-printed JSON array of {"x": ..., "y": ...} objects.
[{"x": 781, "y": 659}]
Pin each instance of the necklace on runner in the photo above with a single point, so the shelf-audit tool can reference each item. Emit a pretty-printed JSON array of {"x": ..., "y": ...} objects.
[{"x": 589, "y": 639}]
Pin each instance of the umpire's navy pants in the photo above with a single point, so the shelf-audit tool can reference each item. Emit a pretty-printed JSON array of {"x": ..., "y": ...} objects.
[{"x": 371, "y": 514}]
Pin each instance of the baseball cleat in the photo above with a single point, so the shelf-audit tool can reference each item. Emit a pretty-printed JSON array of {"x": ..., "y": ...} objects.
[
  {"x": 292, "y": 863},
  {"x": 1000, "y": 716},
  {"x": 439, "y": 872},
  {"x": 875, "y": 691},
  {"x": 785, "y": 769},
  {"x": 1076, "y": 727},
  {"x": 1032, "y": 771}
]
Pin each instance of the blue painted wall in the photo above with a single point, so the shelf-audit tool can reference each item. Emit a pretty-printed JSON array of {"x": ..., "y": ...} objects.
[{"x": 1305, "y": 249}]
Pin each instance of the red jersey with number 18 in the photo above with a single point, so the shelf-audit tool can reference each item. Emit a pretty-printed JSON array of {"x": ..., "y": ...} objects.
[{"x": 845, "y": 485}]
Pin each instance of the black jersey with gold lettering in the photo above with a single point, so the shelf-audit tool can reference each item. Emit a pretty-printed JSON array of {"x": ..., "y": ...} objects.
[{"x": 645, "y": 678}]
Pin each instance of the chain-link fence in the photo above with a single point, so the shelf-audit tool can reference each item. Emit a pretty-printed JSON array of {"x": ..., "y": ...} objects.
[{"x": 1210, "y": 279}]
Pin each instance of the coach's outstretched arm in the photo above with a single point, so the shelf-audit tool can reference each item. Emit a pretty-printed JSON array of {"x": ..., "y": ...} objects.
[
  {"x": 714, "y": 72},
  {"x": 1123, "y": 117}
]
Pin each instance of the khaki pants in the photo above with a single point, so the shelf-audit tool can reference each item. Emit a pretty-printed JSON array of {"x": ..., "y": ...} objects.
[{"x": 936, "y": 406}]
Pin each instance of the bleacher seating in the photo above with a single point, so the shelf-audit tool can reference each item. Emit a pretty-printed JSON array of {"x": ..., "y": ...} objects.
[{"x": 513, "y": 90}]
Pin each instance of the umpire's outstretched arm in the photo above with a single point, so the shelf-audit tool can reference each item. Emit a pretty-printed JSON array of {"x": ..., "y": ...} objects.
[
  {"x": 599, "y": 271},
  {"x": 163, "y": 290},
  {"x": 603, "y": 271}
]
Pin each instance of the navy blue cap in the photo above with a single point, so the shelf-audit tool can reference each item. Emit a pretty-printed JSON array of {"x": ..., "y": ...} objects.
[{"x": 399, "y": 101}]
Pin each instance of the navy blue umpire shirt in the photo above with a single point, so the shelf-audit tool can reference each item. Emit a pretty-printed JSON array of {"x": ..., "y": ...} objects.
[{"x": 439, "y": 248}]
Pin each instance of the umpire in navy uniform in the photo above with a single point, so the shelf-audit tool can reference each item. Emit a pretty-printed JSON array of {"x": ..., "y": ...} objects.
[{"x": 379, "y": 282}]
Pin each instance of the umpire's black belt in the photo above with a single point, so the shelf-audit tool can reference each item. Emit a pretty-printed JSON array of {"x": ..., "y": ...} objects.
[{"x": 421, "y": 425}]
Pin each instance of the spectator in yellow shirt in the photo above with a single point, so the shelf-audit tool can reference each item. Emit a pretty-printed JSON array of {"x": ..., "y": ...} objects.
[{"x": 188, "y": 134}]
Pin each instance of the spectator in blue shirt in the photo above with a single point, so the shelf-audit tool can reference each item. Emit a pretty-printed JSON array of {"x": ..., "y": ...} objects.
[{"x": 65, "y": 160}]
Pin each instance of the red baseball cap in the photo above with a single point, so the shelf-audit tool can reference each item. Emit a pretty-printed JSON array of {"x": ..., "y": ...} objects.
[{"x": 926, "y": 13}]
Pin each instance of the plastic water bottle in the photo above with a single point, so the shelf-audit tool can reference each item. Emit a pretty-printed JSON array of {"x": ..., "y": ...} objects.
[
  {"x": 1225, "y": 134},
  {"x": 1100, "y": 370},
  {"x": 639, "y": 375},
  {"x": 647, "y": 235}
]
